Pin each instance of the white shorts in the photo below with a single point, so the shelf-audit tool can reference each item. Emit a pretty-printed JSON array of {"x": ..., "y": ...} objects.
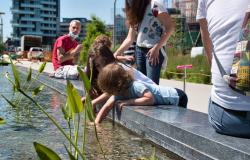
[{"x": 67, "y": 72}]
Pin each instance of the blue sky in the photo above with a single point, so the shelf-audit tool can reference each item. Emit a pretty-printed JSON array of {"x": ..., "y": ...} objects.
[{"x": 80, "y": 8}]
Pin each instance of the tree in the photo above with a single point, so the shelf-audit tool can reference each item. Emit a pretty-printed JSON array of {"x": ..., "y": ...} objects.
[
  {"x": 93, "y": 29},
  {"x": 2, "y": 48}
]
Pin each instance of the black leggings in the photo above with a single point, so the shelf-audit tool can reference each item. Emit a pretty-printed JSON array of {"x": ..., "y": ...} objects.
[{"x": 183, "y": 99}]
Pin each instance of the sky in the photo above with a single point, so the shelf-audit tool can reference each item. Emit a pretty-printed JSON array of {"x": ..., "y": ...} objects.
[
  {"x": 69, "y": 9},
  {"x": 80, "y": 8}
]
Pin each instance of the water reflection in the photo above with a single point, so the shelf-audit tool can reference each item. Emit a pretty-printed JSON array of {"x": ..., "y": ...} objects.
[{"x": 18, "y": 135}]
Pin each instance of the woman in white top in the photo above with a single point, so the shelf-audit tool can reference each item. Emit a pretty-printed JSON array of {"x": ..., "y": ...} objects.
[{"x": 149, "y": 20}]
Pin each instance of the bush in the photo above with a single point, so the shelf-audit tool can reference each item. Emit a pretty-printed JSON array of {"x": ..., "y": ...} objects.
[{"x": 200, "y": 72}]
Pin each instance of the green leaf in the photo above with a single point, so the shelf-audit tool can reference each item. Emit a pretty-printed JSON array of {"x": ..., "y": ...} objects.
[
  {"x": 42, "y": 67},
  {"x": 29, "y": 75},
  {"x": 85, "y": 79},
  {"x": 45, "y": 153},
  {"x": 66, "y": 114},
  {"x": 7, "y": 75},
  {"x": 37, "y": 90},
  {"x": 89, "y": 108},
  {"x": 16, "y": 75},
  {"x": 2, "y": 121},
  {"x": 12, "y": 104},
  {"x": 74, "y": 99},
  {"x": 71, "y": 157}
]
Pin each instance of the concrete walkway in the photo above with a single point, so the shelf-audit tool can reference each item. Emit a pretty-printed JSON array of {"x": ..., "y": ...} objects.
[{"x": 198, "y": 94}]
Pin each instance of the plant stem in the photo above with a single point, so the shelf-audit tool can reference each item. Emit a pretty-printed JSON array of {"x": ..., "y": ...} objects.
[{"x": 53, "y": 121}]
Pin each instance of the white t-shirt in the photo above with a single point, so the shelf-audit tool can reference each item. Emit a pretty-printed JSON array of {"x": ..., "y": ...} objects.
[
  {"x": 138, "y": 76},
  {"x": 224, "y": 18},
  {"x": 151, "y": 29}
]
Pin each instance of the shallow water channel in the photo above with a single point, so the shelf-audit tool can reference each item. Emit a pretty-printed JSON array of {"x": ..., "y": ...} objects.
[{"x": 20, "y": 131}]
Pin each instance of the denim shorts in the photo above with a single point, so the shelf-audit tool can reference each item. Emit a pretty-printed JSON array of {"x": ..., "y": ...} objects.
[
  {"x": 143, "y": 65},
  {"x": 229, "y": 122}
]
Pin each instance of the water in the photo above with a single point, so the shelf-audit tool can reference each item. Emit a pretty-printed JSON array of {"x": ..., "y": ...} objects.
[{"x": 18, "y": 134}]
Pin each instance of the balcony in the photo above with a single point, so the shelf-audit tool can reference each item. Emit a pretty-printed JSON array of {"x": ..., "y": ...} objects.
[
  {"x": 23, "y": 25},
  {"x": 48, "y": 15},
  {"x": 49, "y": 22},
  {"x": 48, "y": 9},
  {"x": 28, "y": 5},
  {"x": 33, "y": 19},
  {"x": 48, "y": 2},
  {"x": 31, "y": 33},
  {"x": 49, "y": 28},
  {"x": 22, "y": 11}
]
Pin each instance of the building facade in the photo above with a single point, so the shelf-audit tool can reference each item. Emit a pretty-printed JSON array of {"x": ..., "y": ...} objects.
[
  {"x": 36, "y": 17},
  {"x": 121, "y": 30}
]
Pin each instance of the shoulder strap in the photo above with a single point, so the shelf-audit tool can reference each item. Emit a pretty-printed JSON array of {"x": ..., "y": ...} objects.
[{"x": 221, "y": 69}]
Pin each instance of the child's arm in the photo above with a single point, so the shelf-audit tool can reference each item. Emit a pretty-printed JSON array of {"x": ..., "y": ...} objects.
[
  {"x": 125, "y": 58},
  {"x": 100, "y": 99},
  {"x": 147, "y": 99},
  {"x": 105, "y": 109}
]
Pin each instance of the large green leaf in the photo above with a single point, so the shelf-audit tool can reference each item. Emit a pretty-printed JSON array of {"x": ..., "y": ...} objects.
[
  {"x": 16, "y": 75},
  {"x": 42, "y": 67},
  {"x": 29, "y": 75},
  {"x": 45, "y": 153},
  {"x": 2, "y": 121},
  {"x": 74, "y": 99},
  {"x": 85, "y": 79},
  {"x": 37, "y": 90}
]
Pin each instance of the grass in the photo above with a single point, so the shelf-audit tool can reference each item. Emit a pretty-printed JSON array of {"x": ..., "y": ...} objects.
[{"x": 200, "y": 73}]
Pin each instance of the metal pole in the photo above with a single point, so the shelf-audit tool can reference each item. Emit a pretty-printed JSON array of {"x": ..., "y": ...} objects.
[
  {"x": 185, "y": 77},
  {"x": 114, "y": 28},
  {"x": 1, "y": 27}
]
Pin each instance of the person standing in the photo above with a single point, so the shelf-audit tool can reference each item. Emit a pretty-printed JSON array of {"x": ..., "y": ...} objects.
[
  {"x": 150, "y": 22},
  {"x": 66, "y": 50},
  {"x": 220, "y": 24}
]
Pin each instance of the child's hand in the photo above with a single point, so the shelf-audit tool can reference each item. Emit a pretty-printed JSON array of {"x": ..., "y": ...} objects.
[{"x": 120, "y": 104}]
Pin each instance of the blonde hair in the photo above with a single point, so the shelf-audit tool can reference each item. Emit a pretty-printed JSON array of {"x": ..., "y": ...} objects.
[
  {"x": 102, "y": 39},
  {"x": 114, "y": 79}
]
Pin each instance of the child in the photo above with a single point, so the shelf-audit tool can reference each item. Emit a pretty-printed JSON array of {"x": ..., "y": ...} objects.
[
  {"x": 115, "y": 80},
  {"x": 99, "y": 56}
]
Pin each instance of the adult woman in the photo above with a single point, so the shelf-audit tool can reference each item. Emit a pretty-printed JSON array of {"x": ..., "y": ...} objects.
[{"x": 152, "y": 24}]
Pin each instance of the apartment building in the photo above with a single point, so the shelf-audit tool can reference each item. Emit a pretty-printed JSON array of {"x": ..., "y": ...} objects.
[{"x": 36, "y": 17}]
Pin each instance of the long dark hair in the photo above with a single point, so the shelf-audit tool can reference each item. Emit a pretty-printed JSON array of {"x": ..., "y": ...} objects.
[
  {"x": 135, "y": 10},
  {"x": 107, "y": 57}
]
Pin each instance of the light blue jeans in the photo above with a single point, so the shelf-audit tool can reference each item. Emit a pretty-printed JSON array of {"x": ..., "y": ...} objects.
[
  {"x": 142, "y": 62},
  {"x": 229, "y": 122}
]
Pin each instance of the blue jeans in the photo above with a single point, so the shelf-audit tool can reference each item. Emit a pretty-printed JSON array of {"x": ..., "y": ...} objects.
[
  {"x": 143, "y": 65},
  {"x": 229, "y": 122}
]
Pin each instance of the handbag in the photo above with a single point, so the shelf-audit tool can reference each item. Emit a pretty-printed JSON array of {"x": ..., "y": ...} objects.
[{"x": 239, "y": 77}]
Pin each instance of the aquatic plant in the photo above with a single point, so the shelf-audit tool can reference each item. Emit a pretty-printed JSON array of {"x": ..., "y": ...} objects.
[{"x": 72, "y": 113}]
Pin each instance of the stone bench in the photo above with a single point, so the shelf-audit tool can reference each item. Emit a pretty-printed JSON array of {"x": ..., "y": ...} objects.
[{"x": 182, "y": 131}]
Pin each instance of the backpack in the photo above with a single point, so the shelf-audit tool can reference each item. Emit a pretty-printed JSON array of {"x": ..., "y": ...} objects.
[{"x": 239, "y": 77}]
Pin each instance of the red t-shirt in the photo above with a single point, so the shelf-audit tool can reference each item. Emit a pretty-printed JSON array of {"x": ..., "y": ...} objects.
[{"x": 67, "y": 44}]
